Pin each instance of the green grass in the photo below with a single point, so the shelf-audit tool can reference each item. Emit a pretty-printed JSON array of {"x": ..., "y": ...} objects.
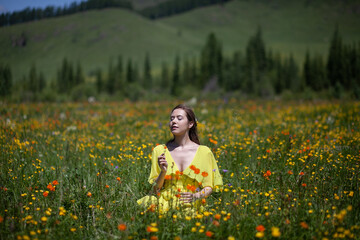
[
  {"x": 96, "y": 37},
  {"x": 293, "y": 165}
]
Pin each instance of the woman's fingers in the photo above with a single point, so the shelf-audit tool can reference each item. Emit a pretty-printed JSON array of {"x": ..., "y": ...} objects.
[{"x": 186, "y": 197}]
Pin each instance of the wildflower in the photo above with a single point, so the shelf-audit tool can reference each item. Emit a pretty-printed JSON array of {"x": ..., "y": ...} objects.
[
  {"x": 89, "y": 194},
  {"x": 72, "y": 229},
  {"x": 231, "y": 238},
  {"x": 1, "y": 219},
  {"x": 217, "y": 216},
  {"x": 304, "y": 225},
  {"x": 259, "y": 234},
  {"x": 213, "y": 141},
  {"x": 43, "y": 219},
  {"x": 118, "y": 179},
  {"x": 55, "y": 182},
  {"x": 153, "y": 238},
  {"x": 122, "y": 227},
  {"x": 152, "y": 229},
  {"x": 216, "y": 223},
  {"x": 50, "y": 187},
  {"x": 260, "y": 228},
  {"x": 107, "y": 186},
  {"x": 275, "y": 232},
  {"x": 290, "y": 172},
  {"x": 301, "y": 173},
  {"x": 209, "y": 234},
  {"x": 177, "y": 238},
  {"x": 45, "y": 194}
]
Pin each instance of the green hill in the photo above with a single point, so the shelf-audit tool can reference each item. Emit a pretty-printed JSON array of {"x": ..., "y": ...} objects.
[{"x": 96, "y": 37}]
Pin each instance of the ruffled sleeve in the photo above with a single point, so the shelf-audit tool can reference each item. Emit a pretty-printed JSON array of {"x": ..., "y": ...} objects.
[{"x": 155, "y": 169}]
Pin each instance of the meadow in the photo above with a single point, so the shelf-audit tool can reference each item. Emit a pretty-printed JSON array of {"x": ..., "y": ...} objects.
[{"x": 75, "y": 170}]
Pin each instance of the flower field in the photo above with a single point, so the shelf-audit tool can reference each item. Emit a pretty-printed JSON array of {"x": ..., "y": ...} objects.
[{"x": 75, "y": 170}]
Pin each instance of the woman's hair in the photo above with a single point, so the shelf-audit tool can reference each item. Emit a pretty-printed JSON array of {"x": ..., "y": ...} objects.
[{"x": 190, "y": 115}]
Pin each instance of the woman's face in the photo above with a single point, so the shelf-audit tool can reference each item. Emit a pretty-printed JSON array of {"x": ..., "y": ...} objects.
[{"x": 179, "y": 124}]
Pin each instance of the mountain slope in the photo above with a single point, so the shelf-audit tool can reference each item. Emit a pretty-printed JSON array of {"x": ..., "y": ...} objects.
[{"x": 96, "y": 37}]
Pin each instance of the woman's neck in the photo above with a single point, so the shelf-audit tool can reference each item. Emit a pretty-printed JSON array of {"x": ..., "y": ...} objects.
[{"x": 182, "y": 141}]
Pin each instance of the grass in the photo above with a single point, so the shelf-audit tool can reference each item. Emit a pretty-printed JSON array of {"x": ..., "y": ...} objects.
[
  {"x": 96, "y": 37},
  {"x": 75, "y": 170}
]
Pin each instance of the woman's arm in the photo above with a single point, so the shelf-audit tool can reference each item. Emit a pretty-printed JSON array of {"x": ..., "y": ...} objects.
[
  {"x": 188, "y": 197},
  {"x": 160, "y": 179},
  {"x": 206, "y": 191}
]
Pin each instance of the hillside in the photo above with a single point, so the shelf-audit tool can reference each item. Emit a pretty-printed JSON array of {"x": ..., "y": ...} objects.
[{"x": 96, "y": 37}]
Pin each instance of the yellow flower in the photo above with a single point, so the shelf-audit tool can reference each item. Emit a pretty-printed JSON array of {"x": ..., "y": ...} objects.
[
  {"x": 43, "y": 219},
  {"x": 275, "y": 232},
  {"x": 259, "y": 234},
  {"x": 72, "y": 229}
]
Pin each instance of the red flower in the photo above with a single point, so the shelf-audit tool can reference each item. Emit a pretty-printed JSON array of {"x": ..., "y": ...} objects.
[
  {"x": 55, "y": 182},
  {"x": 209, "y": 233},
  {"x": 50, "y": 187},
  {"x": 122, "y": 227},
  {"x": 45, "y": 194},
  {"x": 260, "y": 228}
]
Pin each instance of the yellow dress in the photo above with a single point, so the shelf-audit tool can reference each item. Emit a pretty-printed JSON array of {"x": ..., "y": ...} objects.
[{"x": 202, "y": 172}]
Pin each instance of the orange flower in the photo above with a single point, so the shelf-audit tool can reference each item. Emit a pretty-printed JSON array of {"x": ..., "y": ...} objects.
[
  {"x": 50, "y": 187},
  {"x": 55, "y": 182},
  {"x": 213, "y": 141},
  {"x": 217, "y": 216},
  {"x": 152, "y": 208},
  {"x": 290, "y": 172},
  {"x": 304, "y": 225},
  {"x": 179, "y": 173},
  {"x": 89, "y": 194},
  {"x": 1, "y": 219},
  {"x": 203, "y": 201},
  {"x": 45, "y": 194},
  {"x": 177, "y": 195},
  {"x": 304, "y": 184},
  {"x": 118, "y": 179},
  {"x": 216, "y": 223},
  {"x": 301, "y": 173},
  {"x": 153, "y": 238},
  {"x": 204, "y": 174},
  {"x": 260, "y": 228},
  {"x": 107, "y": 186},
  {"x": 122, "y": 227},
  {"x": 209, "y": 233}
]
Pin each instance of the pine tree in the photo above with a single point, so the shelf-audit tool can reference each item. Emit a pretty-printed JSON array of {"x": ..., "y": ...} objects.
[
  {"x": 165, "y": 79},
  {"x": 211, "y": 61},
  {"x": 147, "y": 72},
  {"x": 99, "y": 81},
  {"x": 110, "y": 84},
  {"x": 5, "y": 80},
  {"x": 129, "y": 72},
  {"x": 335, "y": 62},
  {"x": 175, "y": 88}
]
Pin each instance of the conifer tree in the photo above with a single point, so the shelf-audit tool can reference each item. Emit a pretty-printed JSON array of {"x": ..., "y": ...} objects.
[
  {"x": 211, "y": 60},
  {"x": 99, "y": 81},
  {"x": 5, "y": 80},
  {"x": 165, "y": 79},
  {"x": 335, "y": 62},
  {"x": 147, "y": 72},
  {"x": 175, "y": 88},
  {"x": 129, "y": 72}
]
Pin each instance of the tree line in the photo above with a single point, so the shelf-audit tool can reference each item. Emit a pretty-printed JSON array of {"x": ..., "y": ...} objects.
[
  {"x": 33, "y": 14},
  {"x": 256, "y": 72},
  {"x": 162, "y": 9}
]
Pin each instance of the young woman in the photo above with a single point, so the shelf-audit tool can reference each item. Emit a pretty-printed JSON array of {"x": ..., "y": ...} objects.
[{"x": 183, "y": 172}]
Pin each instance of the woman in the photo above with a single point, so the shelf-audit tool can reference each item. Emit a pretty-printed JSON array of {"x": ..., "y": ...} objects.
[{"x": 183, "y": 172}]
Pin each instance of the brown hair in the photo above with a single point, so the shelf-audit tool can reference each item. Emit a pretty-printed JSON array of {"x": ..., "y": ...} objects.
[{"x": 190, "y": 115}]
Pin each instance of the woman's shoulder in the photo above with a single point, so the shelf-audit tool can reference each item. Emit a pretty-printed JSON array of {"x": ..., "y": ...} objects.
[
  {"x": 159, "y": 147},
  {"x": 204, "y": 149}
]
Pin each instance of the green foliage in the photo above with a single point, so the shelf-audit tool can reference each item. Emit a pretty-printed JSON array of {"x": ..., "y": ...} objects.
[{"x": 175, "y": 84}]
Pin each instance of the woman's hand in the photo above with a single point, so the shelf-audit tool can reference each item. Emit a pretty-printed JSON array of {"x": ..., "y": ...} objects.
[
  {"x": 162, "y": 162},
  {"x": 187, "y": 197}
]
